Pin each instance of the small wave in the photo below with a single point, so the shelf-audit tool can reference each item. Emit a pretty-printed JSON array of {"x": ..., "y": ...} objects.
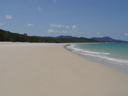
[{"x": 100, "y": 55}]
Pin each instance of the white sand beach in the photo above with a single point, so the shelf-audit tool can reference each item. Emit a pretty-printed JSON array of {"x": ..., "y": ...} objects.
[{"x": 46, "y": 69}]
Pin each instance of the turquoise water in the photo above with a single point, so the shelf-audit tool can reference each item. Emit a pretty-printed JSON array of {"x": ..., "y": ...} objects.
[{"x": 116, "y": 53}]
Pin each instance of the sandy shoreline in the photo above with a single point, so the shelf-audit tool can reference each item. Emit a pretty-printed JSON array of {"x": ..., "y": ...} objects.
[{"x": 49, "y": 70}]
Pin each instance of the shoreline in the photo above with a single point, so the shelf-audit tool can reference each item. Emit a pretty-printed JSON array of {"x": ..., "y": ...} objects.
[
  {"x": 51, "y": 70},
  {"x": 99, "y": 60}
]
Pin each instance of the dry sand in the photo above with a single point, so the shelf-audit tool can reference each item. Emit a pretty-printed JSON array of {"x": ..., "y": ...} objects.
[{"x": 50, "y": 70}]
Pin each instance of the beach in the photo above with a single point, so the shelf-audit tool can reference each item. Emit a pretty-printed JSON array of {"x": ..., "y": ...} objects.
[{"x": 48, "y": 69}]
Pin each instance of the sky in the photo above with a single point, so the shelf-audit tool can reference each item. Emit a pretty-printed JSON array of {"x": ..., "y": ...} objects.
[{"x": 81, "y": 18}]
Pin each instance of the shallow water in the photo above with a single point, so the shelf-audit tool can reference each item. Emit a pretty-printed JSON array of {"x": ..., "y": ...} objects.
[{"x": 114, "y": 53}]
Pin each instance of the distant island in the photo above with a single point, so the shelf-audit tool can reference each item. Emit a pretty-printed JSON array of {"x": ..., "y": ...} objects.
[
  {"x": 106, "y": 39},
  {"x": 16, "y": 37}
]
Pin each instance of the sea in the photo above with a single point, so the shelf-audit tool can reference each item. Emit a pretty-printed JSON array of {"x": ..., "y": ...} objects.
[{"x": 112, "y": 54}]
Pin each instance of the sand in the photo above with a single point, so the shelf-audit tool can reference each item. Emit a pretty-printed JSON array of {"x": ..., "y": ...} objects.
[{"x": 28, "y": 69}]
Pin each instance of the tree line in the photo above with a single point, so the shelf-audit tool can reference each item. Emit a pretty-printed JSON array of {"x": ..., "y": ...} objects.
[{"x": 16, "y": 37}]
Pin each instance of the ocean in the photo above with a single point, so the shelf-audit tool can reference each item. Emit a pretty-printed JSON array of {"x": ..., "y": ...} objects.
[{"x": 114, "y": 54}]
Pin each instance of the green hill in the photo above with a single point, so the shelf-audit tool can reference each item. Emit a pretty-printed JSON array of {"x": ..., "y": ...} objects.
[{"x": 16, "y": 37}]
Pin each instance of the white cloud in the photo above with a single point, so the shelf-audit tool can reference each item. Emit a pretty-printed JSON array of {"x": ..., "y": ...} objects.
[
  {"x": 51, "y": 31},
  {"x": 39, "y": 9},
  {"x": 97, "y": 33},
  {"x": 8, "y": 16},
  {"x": 74, "y": 27},
  {"x": 88, "y": 32},
  {"x": 54, "y": 0},
  {"x": 29, "y": 25},
  {"x": 2, "y": 24},
  {"x": 67, "y": 27},
  {"x": 126, "y": 34},
  {"x": 64, "y": 31},
  {"x": 59, "y": 28},
  {"x": 56, "y": 26}
]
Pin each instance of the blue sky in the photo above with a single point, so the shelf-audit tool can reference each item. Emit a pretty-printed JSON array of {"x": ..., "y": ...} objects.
[{"x": 86, "y": 18}]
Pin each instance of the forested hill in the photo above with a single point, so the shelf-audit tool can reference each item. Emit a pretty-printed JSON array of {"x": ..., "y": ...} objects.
[{"x": 16, "y": 37}]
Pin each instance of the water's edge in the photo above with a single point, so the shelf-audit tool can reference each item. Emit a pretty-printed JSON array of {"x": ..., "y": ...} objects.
[{"x": 94, "y": 59}]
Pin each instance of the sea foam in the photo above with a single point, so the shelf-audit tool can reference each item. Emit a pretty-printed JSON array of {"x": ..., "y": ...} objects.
[{"x": 102, "y": 56}]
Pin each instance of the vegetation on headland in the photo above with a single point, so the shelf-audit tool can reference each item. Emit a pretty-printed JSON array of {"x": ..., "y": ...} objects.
[
  {"x": 108, "y": 39},
  {"x": 16, "y": 37}
]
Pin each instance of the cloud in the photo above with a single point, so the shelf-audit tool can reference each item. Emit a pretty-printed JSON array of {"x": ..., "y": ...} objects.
[
  {"x": 88, "y": 32},
  {"x": 56, "y": 26},
  {"x": 39, "y": 9},
  {"x": 54, "y": 0},
  {"x": 8, "y": 16},
  {"x": 97, "y": 33},
  {"x": 1, "y": 24},
  {"x": 60, "y": 28},
  {"x": 67, "y": 27},
  {"x": 51, "y": 31},
  {"x": 64, "y": 31},
  {"x": 125, "y": 34},
  {"x": 29, "y": 25},
  {"x": 74, "y": 27}
]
